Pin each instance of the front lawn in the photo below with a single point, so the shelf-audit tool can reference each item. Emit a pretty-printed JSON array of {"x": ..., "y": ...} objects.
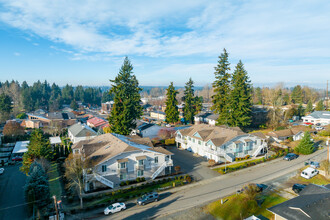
[
  {"x": 318, "y": 180},
  {"x": 239, "y": 206},
  {"x": 54, "y": 181}
]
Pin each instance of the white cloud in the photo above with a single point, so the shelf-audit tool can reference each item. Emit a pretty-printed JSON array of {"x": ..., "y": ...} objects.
[
  {"x": 252, "y": 29},
  {"x": 17, "y": 54},
  {"x": 271, "y": 37}
]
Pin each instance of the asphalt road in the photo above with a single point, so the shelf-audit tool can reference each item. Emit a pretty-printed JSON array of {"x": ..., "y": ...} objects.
[
  {"x": 205, "y": 191},
  {"x": 12, "y": 201}
]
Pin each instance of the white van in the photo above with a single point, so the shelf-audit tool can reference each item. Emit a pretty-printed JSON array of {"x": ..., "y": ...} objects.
[{"x": 309, "y": 173}]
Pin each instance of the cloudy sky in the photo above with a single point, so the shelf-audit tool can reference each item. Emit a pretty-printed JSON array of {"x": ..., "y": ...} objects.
[{"x": 85, "y": 43}]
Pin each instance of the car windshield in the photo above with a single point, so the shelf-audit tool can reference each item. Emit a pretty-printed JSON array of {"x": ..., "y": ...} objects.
[
  {"x": 143, "y": 197},
  {"x": 110, "y": 207}
]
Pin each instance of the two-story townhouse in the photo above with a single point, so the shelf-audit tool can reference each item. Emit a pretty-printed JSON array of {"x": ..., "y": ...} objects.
[
  {"x": 116, "y": 158},
  {"x": 220, "y": 143}
]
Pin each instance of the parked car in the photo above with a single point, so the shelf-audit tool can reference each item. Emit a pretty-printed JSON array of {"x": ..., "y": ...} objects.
[
  {"x": 116, "y": 207},
  {"x": 259, "y": 187},
  {"x": 2, "y": 170},
  {"x": 290, "y": 156},
  {"x": 298, "y": 187},
  {"x": 319, "y": 128},
  {"x": 17, "y": 159},
  {"x": 308, "y": 123},
  {"x": 313, "y": 164},
  {"x": 309, "y": 172},
  {"x": 147, "y": 198}
]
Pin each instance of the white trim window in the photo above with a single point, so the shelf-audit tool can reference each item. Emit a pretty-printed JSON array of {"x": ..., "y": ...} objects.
[
  {"x": 156, "y": 159},
  {"x": 141, "y": 162},
  {"x": 122, "y": 165},
  {"x": 140, "y": 173}
]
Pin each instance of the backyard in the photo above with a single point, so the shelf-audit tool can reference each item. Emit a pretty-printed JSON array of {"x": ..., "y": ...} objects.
[{"x": 55, "y": 181}]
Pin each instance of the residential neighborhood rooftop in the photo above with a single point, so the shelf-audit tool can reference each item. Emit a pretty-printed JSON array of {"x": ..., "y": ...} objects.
[{"x": 106, "y": 146}]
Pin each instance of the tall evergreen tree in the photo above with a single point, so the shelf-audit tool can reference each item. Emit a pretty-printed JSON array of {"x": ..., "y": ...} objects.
[
  {"x": 126, "y": 109},
  {"x": 5, "y": 107},
  {"x": 240, "y": 98},
  {"x": 319, "y": 106},
  {"x": 221, "y": 87},
  {"x": 36, "y": 190},
  {"x": 306, "y": 144},
  {"x": 309, "y": 107},
  {"x": 189, "y": 109},
  {"x": 297, "y": 95},
  {"x": 79, "y": 93},
  {"x": 300, "y": 110},
  {"x": 171, "y": 111}
]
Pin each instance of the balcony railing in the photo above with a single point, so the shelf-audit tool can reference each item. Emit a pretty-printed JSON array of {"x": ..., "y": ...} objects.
[
  {"x": 140, "y": 167},
  {"x": 122, "y": 170}
]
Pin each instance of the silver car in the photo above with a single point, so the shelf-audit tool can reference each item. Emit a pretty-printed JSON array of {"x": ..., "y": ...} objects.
[{"x": 116, "y": 207}]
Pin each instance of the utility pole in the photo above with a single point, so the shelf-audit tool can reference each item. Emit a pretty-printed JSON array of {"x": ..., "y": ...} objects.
[
  {"x": 327, "y": 99},
  {"x": 55, "y": 202}
]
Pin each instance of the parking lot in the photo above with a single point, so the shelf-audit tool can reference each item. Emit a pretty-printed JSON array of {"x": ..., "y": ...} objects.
[
  {"x": 12, "y": 201},
  {"x": 196, "y": 166}
]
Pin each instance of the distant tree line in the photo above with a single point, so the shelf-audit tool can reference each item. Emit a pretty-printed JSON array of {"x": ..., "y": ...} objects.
[{"x": 49, "y": 97}]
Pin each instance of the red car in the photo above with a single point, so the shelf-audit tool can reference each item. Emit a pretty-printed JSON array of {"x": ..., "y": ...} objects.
[
  {"x": 17, "y": 159},
  {"x": 308, "y": 123}
]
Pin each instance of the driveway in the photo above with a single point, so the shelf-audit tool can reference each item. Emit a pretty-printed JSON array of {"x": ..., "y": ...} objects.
[
  {"x": 197, "y": 166},
  {"x": 12, "y": 201}
]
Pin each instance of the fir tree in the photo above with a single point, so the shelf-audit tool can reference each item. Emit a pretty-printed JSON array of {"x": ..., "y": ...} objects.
[
  {"x": 189, "y": 109},
  {"x": 297, "y": 95},
  {"x": 221, "y": 87},
  {"x": 300, "y": 110},
  {"x": 126, "y": 109},
  {"x": 306, "y": 144},
  {"x": 74, "y": 105},
  {"x": 319, "y": 106},
  {"x": 39, "y": 147},
  {"x": 171, "y": 111},
  {"x": 240, "y": 98},
  {"x": 37, "y": 189},
  {"x": 309, "y": 107}
]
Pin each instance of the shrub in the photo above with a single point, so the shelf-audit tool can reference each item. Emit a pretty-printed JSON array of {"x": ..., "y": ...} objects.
[
  {"x": 122, "y": 183},
  {"x": 188, "y": 178},
  {"x": 177, "y": 169},
  {"x": 170, "y": 141},
  {"x": 211, "y": 163}
]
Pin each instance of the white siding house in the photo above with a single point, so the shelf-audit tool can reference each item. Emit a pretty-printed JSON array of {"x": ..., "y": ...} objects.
[
  {"x": 321, "y": 117},
  {"x": 117, "y": 158},
  {"x": 220, "y": 143},
  {"x": 79, "y": 132}
]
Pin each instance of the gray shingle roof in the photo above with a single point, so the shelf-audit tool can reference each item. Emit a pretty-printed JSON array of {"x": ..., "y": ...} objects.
[
  {"x": 320, "y": 114},
  {"x": 81, "y": 130},
  {"x": 312, "y": 203}
]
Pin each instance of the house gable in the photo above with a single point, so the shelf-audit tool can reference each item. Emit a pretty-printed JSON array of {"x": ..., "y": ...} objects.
[{"x": 197, "y": 135}]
